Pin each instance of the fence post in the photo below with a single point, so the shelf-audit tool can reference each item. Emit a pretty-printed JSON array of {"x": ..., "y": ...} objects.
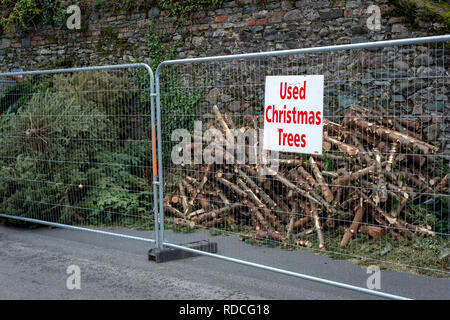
[
  {"x": 154, "y": 159},
  {"x": 160, "y": 166}
]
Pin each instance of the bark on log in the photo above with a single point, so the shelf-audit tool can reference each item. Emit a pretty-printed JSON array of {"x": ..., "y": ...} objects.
[
  {"x": 204, "y": 179},
  {"x": 335, "y": 129},
  {"x": 382, "y": 194},
  {"x": 191, "y": 180},
  {"x": 379, "y": 214},
  {"x": 330, "y": 174},
  {"x": 222, "y": 197},
  {"x": 204, "y": 203},
  {"x": 168, "y": 208},
  {"x": 272, "y": 204},
  {"x": 326, "y": 192},
  {"x": 308, "y": 177},
  {"x": 229, "y": 120},
  {"x": 363, "y": 157},
  {"x": 262, "y": 207},
  {"x": 392, "y": 135},
  {"x": 392, "y": 153},
  {"x": 443, "y": 186},
  {"x": 321, "y": 202},
  {"x": 229, "y": 137},
  {"x": 304, "y": 243},
  {"x": 259, "y": 217},
  {"x": 413, "y": 179},
  {"x": 405, "y": 226},
  {"x": 196, "y": 213},
  {"x": 230, "y": 185},
  {"x": 372, "y": 231},
  {"x": 268, "y": 235},
  {"x": 306, "y": 215},
  {"x": 318, "y": 227},
  {"x": 354, "y": 226},
  {"x": 305, "y": 232},
  {"x": 213, "y": 223},
  {"x": 216, "y": 213},
  {"x": 184, "y": 202},
  {"x": 352, "y": 151},
  {"x": 346, "y": 179},
  {"x": 290, "y": 228}
]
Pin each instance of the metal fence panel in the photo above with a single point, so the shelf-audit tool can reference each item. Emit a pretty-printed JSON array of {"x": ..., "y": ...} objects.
[
  {"x": 378, "y": 194},
  {"x": 5, "y": 84},
  {"x": 76, "y": 148}
]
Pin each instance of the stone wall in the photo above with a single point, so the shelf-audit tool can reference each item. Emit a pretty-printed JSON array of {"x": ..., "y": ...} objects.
[
  {"x": 234, "y": 27},
  {"x": 254, "y": 25}
]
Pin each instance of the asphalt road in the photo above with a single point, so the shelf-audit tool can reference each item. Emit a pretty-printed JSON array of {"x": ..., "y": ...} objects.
[{"x": 33, "y": 265}]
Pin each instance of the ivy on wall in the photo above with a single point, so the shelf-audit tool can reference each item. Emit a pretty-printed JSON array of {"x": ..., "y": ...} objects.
[
  {"x": 182, "y": 8},
  {"x": 424, "y": 10},
  {"x": 22, "y": 15},
  {"x": 21, "y": 12}
]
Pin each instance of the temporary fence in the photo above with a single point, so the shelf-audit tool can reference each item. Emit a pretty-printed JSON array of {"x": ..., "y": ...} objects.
[
  {"x": 4, "y": 84},
  {"x": 377, "y": 194},
  {"x": 90, "y": 149},
  {"x": 76, "y": 148}
]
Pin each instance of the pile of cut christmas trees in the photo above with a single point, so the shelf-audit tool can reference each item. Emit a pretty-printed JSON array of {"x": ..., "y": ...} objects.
[{"x": 373, "y": 165}]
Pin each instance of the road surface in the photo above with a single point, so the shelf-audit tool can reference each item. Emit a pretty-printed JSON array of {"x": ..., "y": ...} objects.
[{"x": 34, "y": 262}]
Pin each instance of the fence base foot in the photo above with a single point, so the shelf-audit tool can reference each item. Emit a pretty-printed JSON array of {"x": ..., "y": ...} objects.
[{"x": 169, "y": 254}]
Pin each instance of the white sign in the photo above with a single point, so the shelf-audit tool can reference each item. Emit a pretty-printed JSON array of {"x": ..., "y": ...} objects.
[{"x": 293, "y": 114}]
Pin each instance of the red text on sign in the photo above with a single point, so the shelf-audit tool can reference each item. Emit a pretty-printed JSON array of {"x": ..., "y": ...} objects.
[
  {"x": 291, "y": 139},
  {"x": 292, "y": 116},
  {"x": 292, "y": 92}
]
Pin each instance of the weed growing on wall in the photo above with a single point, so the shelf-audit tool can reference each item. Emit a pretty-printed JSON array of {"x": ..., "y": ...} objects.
[
  {"x": 177, "y": 99},
  {"x": 25, "y": 14}
]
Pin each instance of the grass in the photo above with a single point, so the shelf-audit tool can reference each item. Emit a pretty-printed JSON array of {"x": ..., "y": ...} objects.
[
  {"x": 417, "y": 256},
  {"x": 420, "y": 255}
]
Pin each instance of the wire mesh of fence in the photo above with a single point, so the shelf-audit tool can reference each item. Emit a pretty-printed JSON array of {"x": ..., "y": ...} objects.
[
  {"x": 76, "y": 147},
  {"x": 378, "y": 194}
]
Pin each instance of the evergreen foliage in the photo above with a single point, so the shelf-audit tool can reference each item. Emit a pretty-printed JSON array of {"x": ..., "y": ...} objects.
[{"x": 61, "y": 158}]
